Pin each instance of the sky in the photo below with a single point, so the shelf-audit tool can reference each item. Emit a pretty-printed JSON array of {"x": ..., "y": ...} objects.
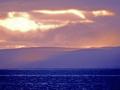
[{"x": 59, "y": 23}]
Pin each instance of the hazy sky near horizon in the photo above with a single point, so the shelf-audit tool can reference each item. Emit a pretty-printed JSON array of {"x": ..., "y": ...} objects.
[{"x": 59, "y": 23}]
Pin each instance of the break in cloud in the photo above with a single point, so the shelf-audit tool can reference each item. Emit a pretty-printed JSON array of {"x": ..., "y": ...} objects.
[{"x": 48, "y": 25}]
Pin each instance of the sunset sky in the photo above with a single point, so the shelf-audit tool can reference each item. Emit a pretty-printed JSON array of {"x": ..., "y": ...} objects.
[{"x": 59, "y": 23}]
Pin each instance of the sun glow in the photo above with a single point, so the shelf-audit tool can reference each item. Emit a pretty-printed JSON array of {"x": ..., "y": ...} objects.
[{"x": 21, "y": 22}]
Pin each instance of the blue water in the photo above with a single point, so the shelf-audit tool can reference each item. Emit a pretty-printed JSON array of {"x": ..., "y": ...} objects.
[{"x": 66, "y": 79}]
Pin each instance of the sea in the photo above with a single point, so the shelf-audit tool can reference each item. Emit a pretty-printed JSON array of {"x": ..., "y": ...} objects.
[{"x": 60, "y": 79}]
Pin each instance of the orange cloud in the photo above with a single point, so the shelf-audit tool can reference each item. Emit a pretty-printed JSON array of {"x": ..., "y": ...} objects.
[
  {"x": 76, "y": 12},
  {"x": 26, "y": 21},
  {"x": 80, "y": 13},
  {"x": 21, "y": 21},
  {"x": 102, "y": 13},
  {"x": 79, "y": 16}
]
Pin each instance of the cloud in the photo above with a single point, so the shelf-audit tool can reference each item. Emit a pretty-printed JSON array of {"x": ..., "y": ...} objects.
[
  {"x": 52, "y": 19},
  {"x": 58, "y": 28},
  {"x": 73, "y": 16},
  {"x": 78, "y": 13},
  {"x": 102, "y": 13},
  {"x": 21, "y": 21},
  {"x": 74, "y": 36}
]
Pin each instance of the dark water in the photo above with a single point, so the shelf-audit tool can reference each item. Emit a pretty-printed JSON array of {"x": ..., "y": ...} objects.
[{"x": 72, "y": 79}]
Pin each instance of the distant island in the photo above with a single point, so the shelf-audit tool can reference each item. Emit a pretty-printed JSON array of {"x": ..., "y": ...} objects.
[{"x": 49, "y": 57}]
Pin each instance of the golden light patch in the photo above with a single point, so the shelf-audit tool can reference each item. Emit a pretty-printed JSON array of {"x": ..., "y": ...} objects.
[{"x": 19, "y": 22}]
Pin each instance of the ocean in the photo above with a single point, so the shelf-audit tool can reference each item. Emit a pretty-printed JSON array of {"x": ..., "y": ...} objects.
[{"x": 60, "y": 79}]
